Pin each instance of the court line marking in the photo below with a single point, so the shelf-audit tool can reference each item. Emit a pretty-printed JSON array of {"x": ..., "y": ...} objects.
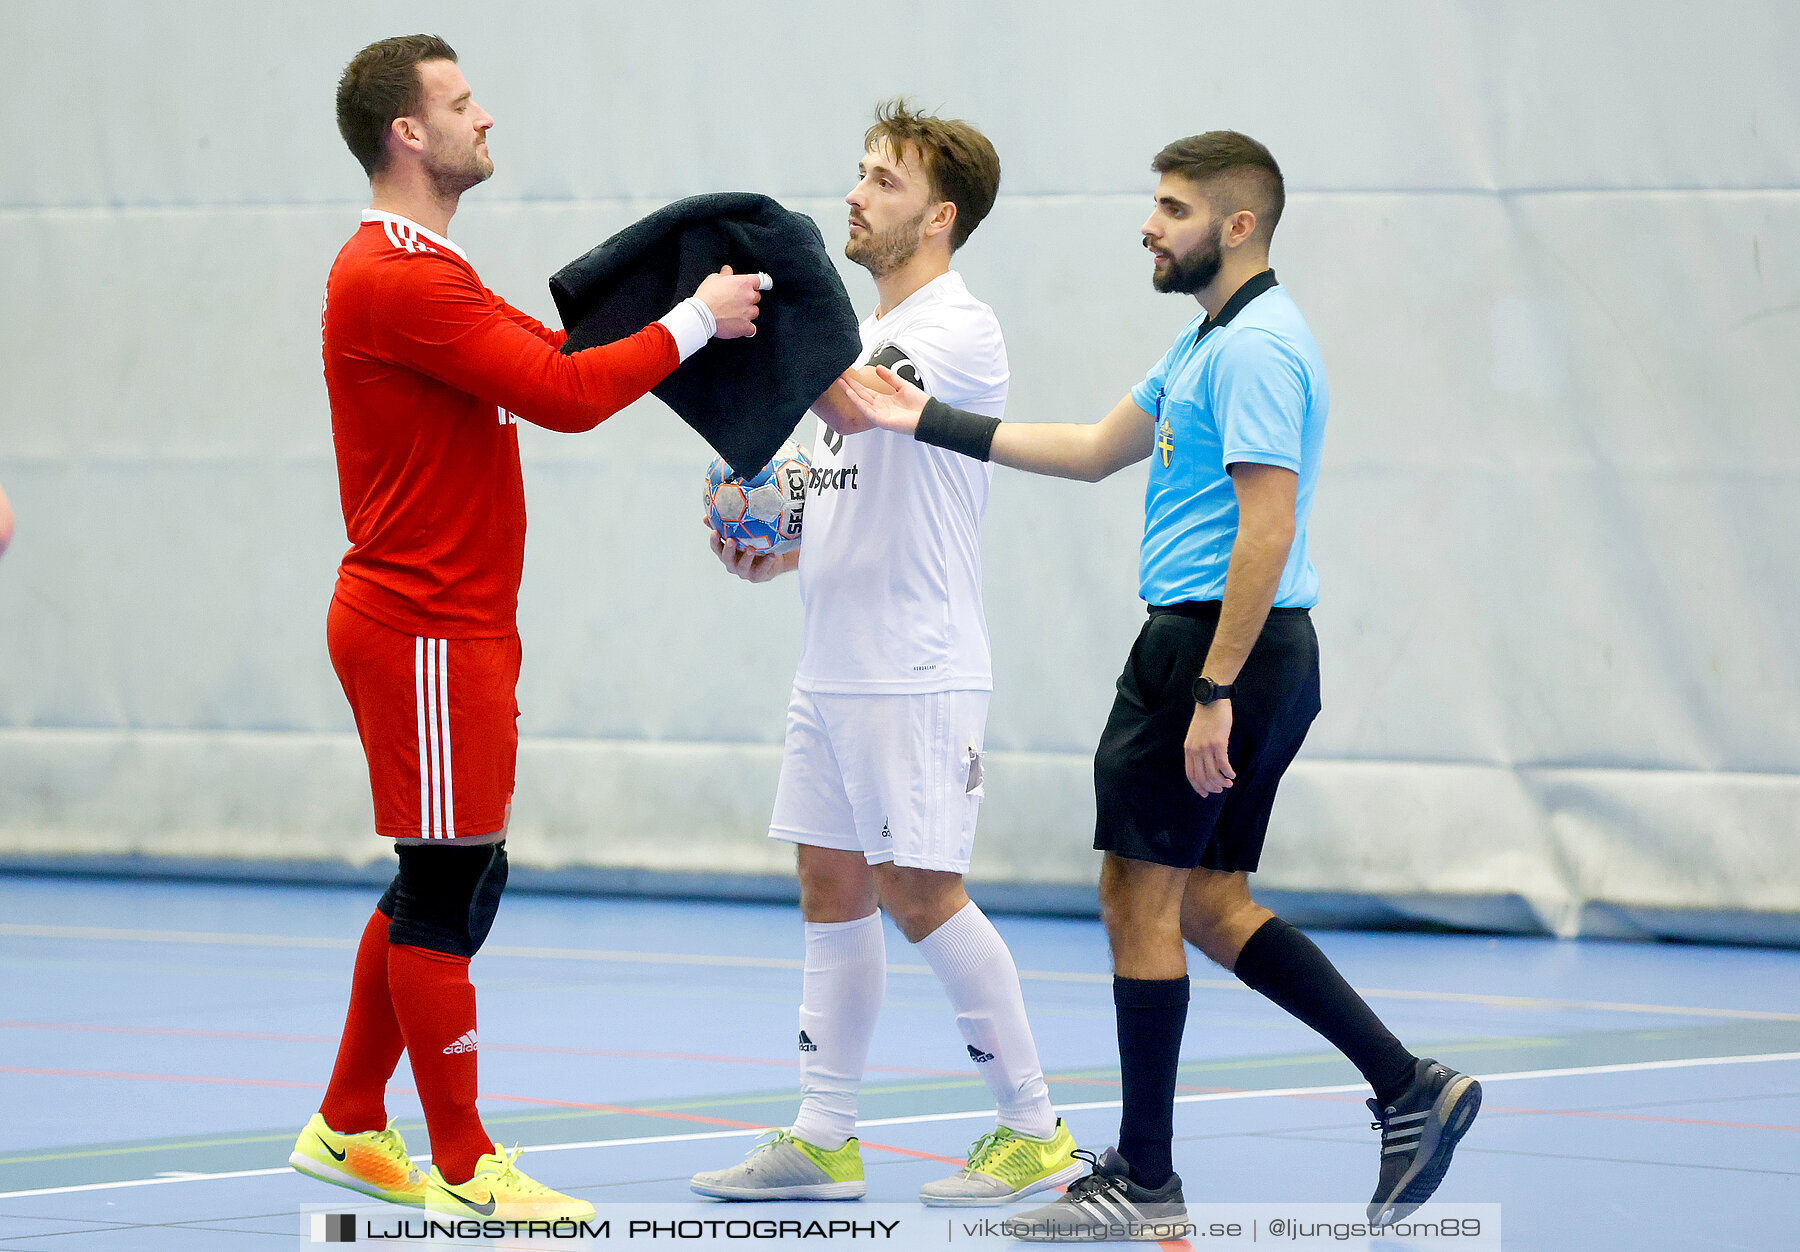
[
  {"x": 1603, "y": 1115},
  {"x": 212, "y": 1080},
  {"x": 258, "y": 1036},
  {"x": 623, "y": 1109},
  {"x": 972, "y": 1114},
  {"x": 1086, "y": 1078},
  {"x": 225, "y": 939},
  {"x": 756, "y": 1128}
]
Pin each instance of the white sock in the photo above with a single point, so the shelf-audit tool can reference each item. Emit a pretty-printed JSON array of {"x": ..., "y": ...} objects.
[
  {"x": 840, "y": 998},
  {"x": 977, "y": 971}
]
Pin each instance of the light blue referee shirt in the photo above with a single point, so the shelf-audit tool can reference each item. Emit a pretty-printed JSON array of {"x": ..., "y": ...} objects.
[{"x": 1248, "y": 386}]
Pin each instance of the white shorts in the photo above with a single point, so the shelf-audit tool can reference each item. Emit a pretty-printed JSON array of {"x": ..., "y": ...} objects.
[{"x": 897, "y": 778}]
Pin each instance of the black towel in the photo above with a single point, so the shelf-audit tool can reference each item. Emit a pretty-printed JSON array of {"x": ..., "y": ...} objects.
[{"x": 744, "y": 396}]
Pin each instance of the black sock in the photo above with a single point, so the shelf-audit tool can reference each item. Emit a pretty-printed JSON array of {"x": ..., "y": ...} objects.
[
  {"x": 1288, "y": 967},
  {"x": 1152, "y": 1013}
]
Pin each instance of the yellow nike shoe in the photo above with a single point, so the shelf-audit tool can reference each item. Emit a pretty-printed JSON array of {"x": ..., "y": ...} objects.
[
  {"x": 499, "y": 1189},
  {"x": 1004, "y": 1166},
  {"x": 373, "y": 1162}
]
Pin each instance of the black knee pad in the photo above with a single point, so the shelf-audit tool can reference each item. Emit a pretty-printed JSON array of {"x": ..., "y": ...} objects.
[{"x": 444, "y": 898}]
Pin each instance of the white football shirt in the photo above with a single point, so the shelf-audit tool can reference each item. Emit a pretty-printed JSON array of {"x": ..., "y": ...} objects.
[{"x": 890, "y": 552}]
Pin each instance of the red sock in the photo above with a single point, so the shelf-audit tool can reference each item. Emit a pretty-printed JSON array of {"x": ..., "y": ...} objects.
[
  {"x": 370, "y": 1046},
  {"x": 435, "y": 1002}
]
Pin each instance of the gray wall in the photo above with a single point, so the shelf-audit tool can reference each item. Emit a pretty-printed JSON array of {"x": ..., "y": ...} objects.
[{"x": 1551, "y": 253}]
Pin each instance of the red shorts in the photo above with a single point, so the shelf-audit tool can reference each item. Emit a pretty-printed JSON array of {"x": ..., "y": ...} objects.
[{"x": 439, "y": 724}]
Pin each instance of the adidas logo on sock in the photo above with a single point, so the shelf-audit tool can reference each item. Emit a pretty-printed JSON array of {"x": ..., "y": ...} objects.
[
  {"x": 978, "y": 1056},
  {"x": 464, "y": 1044},
  {"x": 806, "y": 1044}
]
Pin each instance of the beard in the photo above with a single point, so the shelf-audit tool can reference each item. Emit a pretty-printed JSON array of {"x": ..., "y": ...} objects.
[
  {"x": 452, "y": 173},
  {"x": 882, "y": 254},
  {"x": 1188, "y": 274}
]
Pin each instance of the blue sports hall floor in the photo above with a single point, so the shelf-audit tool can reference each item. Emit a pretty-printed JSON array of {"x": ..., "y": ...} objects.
[{"x": 162, "y": 1043}]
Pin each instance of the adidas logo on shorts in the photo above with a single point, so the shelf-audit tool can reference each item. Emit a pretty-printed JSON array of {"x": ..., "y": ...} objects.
[
  {"x": 464, "y": 1044},
  {"x": 978, "y": 1056},
  {"x": 806, "y": 1044}
]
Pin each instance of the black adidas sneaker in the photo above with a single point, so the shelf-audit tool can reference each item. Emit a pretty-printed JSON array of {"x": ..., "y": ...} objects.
[
  {"x": 1419, "y": 1131},
  {"x": 1105, "y": 1206}
]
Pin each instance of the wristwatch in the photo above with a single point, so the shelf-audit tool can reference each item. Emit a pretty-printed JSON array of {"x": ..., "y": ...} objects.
[{"x": 1206, "y": 690}]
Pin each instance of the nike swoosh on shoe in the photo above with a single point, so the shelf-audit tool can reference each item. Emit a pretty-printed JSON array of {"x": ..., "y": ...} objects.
[{"x": 486, "y": 1210}]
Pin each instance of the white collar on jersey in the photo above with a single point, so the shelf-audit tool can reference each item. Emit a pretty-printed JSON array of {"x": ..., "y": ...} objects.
[
  {"x": 379, "y": 215},
  {"x": 948, "y": 282}
]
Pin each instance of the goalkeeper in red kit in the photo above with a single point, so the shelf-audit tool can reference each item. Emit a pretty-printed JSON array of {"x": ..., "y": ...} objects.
[{"x": 428, "y": 372}]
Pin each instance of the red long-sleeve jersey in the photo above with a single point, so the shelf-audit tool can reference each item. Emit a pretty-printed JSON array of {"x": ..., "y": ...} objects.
[{"x": 426, "y": 370}]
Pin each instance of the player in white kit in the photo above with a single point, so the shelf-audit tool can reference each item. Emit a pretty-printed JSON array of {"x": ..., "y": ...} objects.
[{"x": 881, "y": 774}]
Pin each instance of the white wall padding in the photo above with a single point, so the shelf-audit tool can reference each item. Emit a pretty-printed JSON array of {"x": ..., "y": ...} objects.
[{"x": 1551, "y": 254}]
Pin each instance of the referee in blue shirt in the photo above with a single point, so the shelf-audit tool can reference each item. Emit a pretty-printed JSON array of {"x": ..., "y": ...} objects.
[{"x": 1220, "y": 687}]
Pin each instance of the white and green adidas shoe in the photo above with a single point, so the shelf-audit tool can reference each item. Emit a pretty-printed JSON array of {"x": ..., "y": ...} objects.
[
  {"x": 783, "y": 1167},
  {"x": 1004, "y": 1166}
]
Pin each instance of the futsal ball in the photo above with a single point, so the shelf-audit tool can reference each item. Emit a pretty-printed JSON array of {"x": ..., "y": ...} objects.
[{"x": 761, "y": 512}]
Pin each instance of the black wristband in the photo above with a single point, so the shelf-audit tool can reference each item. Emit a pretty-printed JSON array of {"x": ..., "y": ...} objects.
[{"x": 956, "y": 429}]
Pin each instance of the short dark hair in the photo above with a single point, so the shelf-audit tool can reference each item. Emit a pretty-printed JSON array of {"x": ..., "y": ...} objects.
[
  {"x": 1232, "y": 162},
  {"x": 380, "y": 84},
  {"x": 960, "y": 164}
]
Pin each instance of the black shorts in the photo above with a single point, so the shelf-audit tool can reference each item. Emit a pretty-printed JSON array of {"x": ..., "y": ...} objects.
[{"x": 1146, "y": 808}]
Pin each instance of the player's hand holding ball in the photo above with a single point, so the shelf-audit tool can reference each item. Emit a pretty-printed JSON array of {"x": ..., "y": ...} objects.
[
  {"x": 733, "y": 299},
  {"x": 755, "y": 521},
  {"x": 752, "y": 567}
]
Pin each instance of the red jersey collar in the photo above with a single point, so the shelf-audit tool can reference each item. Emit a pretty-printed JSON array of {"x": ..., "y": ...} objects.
[{"x": 380, "y": 215}]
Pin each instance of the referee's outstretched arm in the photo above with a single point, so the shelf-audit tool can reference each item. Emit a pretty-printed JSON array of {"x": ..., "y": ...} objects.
[{"x": 1088, "y": 452}]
